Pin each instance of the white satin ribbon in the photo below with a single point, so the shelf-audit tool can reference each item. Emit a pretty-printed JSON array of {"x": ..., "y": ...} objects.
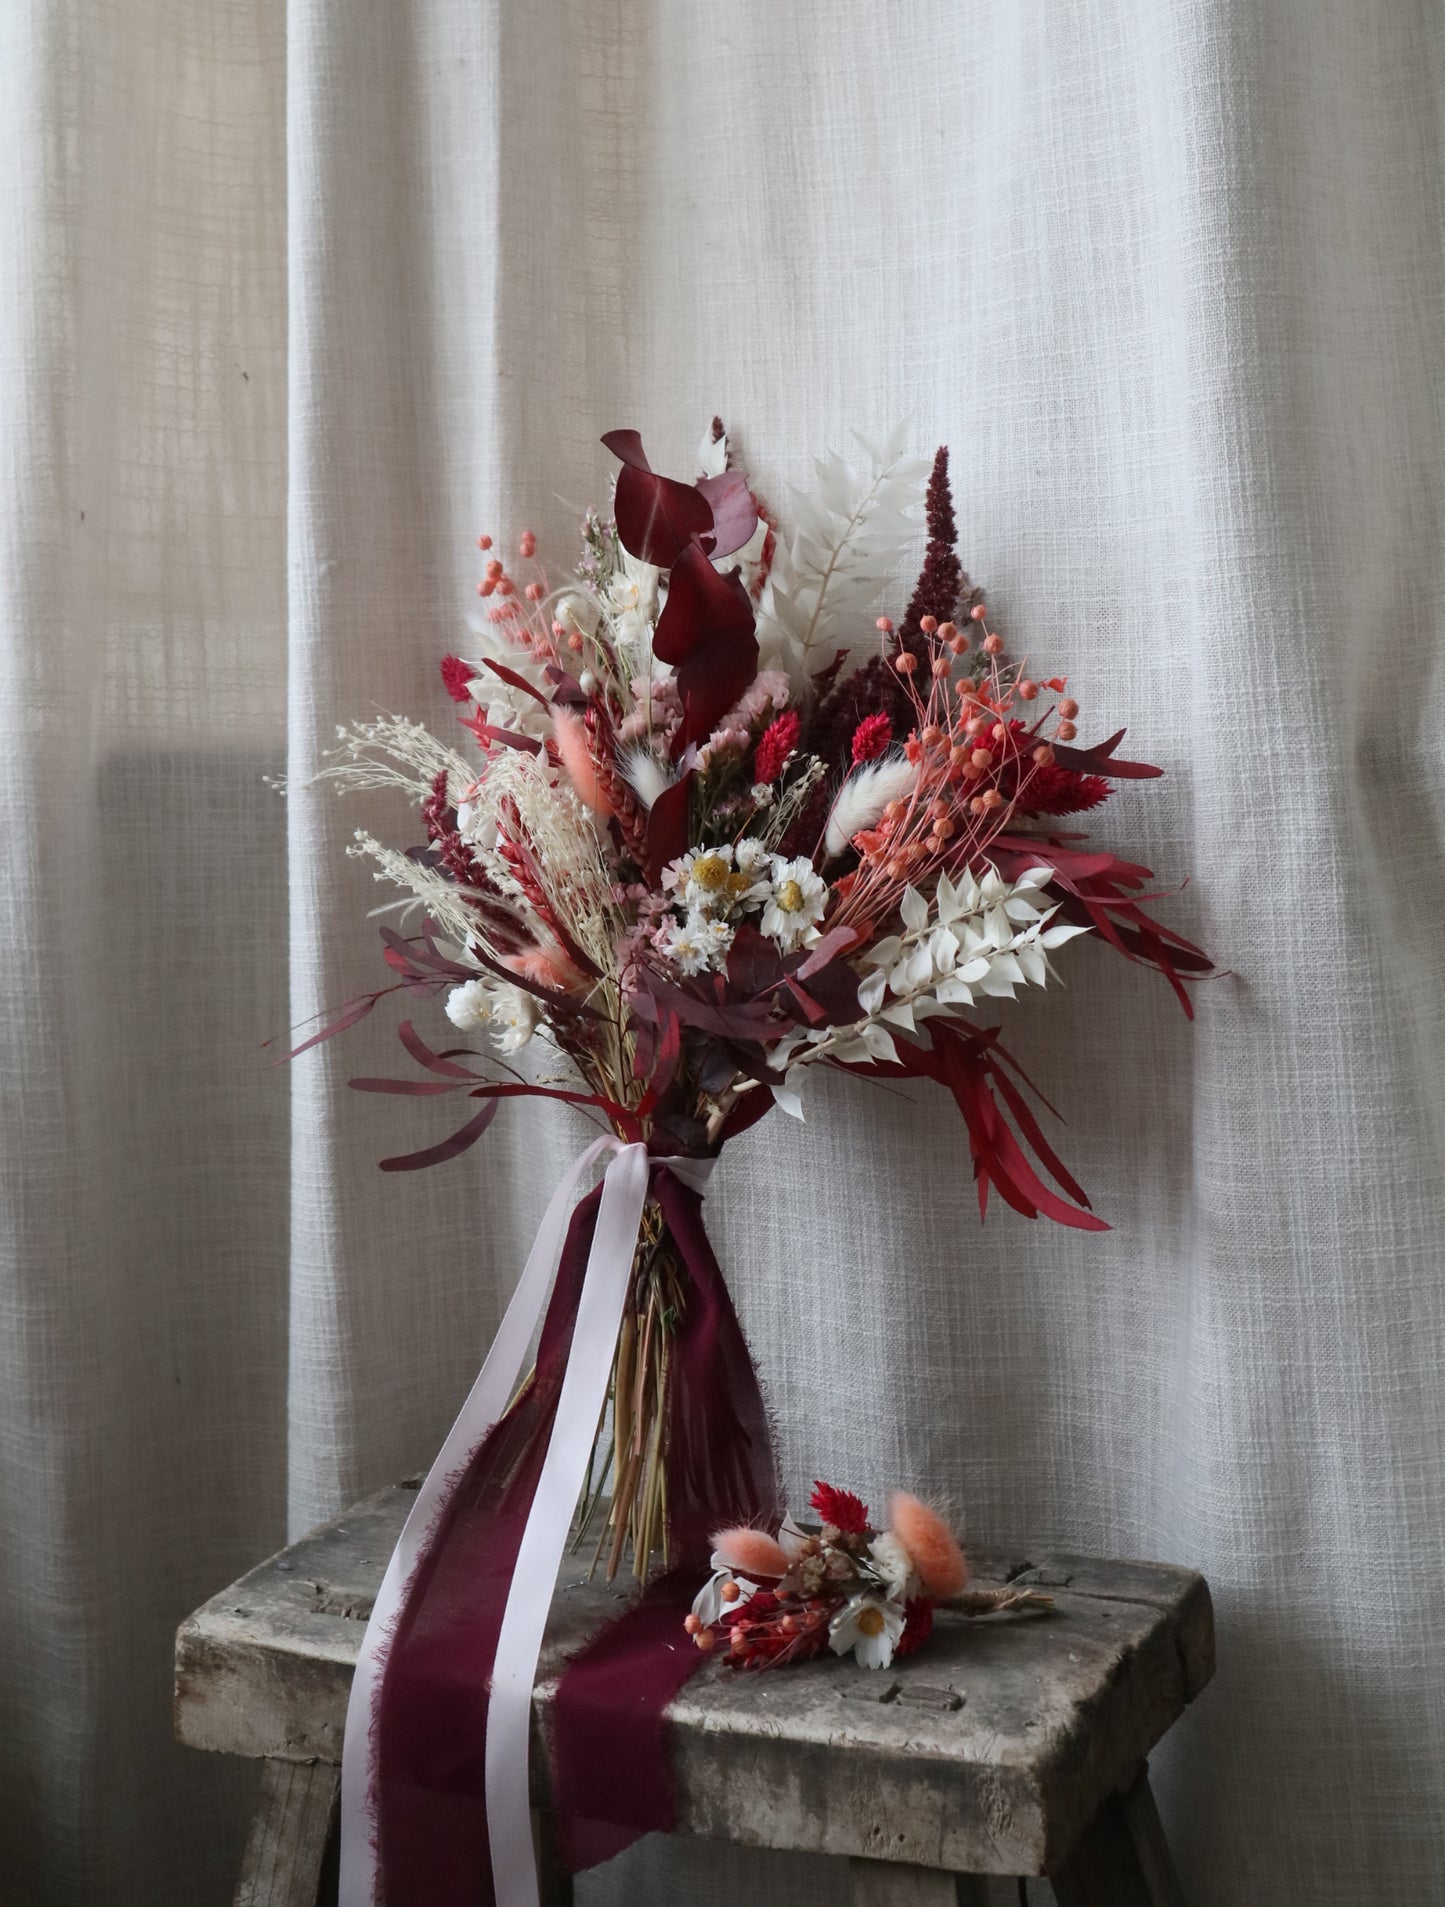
[
  {"x": 584, "y": 1390},
  {"x": 610, "y": 1260}
]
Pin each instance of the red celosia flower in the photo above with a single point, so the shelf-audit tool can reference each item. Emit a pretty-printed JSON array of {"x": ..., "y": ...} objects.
[
  {"x": 841, "y": 1508},
  {"x": 779, "y": 740},
  {"x": 457, "y": 676},
  {"x": 871, "y": 738},
  {"x": 917, "y": 1625},
  {"x": 1051, "y": 790}
]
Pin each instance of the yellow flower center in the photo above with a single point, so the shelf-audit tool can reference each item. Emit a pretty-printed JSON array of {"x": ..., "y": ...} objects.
[
  {"x": 710, "y": 872},
  {"x": 870, "y": 1620},
  {"x": 738, "y": 885},
  {"x": 790, "y": 897}
]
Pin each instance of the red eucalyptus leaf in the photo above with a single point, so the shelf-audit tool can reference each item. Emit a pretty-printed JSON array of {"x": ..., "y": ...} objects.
[
  {"x": 443, "y": 1063},
  {"x": 734, "y": 513},
  {"x": 487, "y": 732},
  {"x": 410, "y": 1088},
  {"x": 667, "y": 826},
  {"x": 657, "y": 517},
  {"x": 458, "y": 1143},
  {"x": 515, "y": 681},
  {"x": 353, "y": 1011},
  {"x": 706, "y": 632},
  {"x": 1101, "y": 760}
]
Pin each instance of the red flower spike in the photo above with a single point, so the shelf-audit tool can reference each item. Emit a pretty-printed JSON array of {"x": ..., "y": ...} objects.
[
  {"x": 841, "y": 1508},
  {"x": 872, "y": 737},
  {"x": 779, "y": 739},
  {"x": 457, "y": 678}
]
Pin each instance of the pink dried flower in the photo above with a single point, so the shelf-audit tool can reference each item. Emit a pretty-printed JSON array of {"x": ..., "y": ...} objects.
[
  {"x": 457, "y": 678},
  {"x": 751, "y": 1553}
]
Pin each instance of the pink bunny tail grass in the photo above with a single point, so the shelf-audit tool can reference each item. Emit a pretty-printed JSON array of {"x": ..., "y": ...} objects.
[
  {"x": 577, "y": 760},
  {"x": 546, "y": 967},
  {"x": 751, "y": 1553},
  {"x": 939, "y": 1561}
]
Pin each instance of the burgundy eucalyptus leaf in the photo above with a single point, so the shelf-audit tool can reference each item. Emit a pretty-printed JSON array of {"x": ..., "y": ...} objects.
[
  {"x": 667, "y": 826},
  {"x": 1101, "y": 760},
  {"x": 754, "y": 963},
  {"x": 706, "y": 632},
  {"x": 657, "y": 517},
  {"x": 513, "y": 680},
  {"x": 734, "y": 513},
  {"x": 448, "y": 1149}
]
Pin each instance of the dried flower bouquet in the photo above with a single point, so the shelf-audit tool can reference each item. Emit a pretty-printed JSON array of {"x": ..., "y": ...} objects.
[{"x": 698, "y": 847}]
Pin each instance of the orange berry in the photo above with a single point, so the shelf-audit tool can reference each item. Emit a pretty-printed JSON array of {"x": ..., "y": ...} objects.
[
  {"x": 1068, "y": 708},
  {"x": 992, "y": 644},
  {"x": 928, "y": 624},
  {"x": 978, "y": 612},
  {"x": 1027, "y": 690},
  {"x": 944, "y": 829},
  {"x": 957, "y": 644},
  {"x": 931, "y": 736},
  {"x": 692, "y": 1624},
  {"x": 730, "y": 1592},
  {"x": 704, "y": 1640},
  {"x": 885, "y": 623},
  {"x": 1044, "y": 755},
  {"x": 906, "y": 663},
  {"x": 978, "y": 805},
  {"x": 941, "y": 666},
  {"x": 1066, "y": 731},
  {"x": 981, "y": 759},
  {"x": 947, "y": 631}
]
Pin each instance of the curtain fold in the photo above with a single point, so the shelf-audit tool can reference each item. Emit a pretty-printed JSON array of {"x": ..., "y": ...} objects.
[{"x": 297, "y": 298}]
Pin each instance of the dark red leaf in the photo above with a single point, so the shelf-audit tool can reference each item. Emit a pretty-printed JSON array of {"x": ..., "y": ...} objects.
[
  {"x": 353, "y": 1011},
  {"x": 515, "y": 681},
  {"x": 667, "y": 826},
  {"x": 657, "y": 517},
  {"x": 734, "y": 513},
  {"x": 458, "y": 1143},
  {"x": 442, "y": 1063},
  {"x": 706, "y": 632},
  {"x": 487, "y": 732},
  {"x": 1101, "y": 760}
]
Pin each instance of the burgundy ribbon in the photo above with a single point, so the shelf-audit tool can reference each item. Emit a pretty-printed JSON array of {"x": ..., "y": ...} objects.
[{"x": 611, "y": 1781}]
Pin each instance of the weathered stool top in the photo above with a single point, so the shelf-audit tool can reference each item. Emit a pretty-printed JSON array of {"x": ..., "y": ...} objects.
[{"x": 988, "y": 1752}]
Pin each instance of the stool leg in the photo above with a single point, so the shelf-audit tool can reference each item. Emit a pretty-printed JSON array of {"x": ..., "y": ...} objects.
[
  {"x": 282, "y": 1863},
  {"x": 896, "y": 1884},
  {"x": 1123, "y": 1859}
]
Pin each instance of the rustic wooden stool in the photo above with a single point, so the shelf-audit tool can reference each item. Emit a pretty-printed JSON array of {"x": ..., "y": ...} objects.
[{"x": 1012, "y": 1744}]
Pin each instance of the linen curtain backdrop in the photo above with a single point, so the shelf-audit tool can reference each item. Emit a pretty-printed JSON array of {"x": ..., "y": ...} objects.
[{"x": 298, "y": 298}]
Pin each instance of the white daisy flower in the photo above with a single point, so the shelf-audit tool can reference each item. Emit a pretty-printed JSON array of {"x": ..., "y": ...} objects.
[
  {"x": 893, "y": 1566},
  {"x": 514, "y": 1018},
  {"x": 703, "y": 879},
  {"x": 469, "y": 1005},
  {"x": 697, "y": 944},
  {"x": 795, "y": 906},
  {"x": 870, "y": 1628}
]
